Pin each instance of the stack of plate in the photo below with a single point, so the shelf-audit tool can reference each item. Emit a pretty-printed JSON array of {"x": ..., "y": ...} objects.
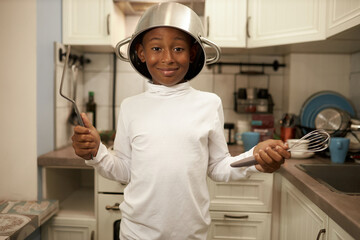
[{"x": 318, "y": 102}]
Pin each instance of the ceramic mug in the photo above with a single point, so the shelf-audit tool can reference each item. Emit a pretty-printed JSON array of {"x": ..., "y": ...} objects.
[
  {"x": 338, "y": 149},
  {"x": 250, "y": 139}
]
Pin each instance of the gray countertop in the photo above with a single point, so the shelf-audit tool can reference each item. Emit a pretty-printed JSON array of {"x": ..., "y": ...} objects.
[
  {"x": 343, "y": 209},
  {"x": 63, "y": 157}
]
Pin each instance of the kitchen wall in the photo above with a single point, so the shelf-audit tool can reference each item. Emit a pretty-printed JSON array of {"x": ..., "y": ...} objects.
[
  {"x": 98, "y": 77},
  {"x": 304, "y": 75},
  {"x": 355, "y": 81},
  {"x": 311, "y": 73},
  {"x": 18, "y": 77}
]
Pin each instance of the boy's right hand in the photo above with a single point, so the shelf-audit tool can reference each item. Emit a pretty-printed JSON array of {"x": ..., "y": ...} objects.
[{"x": 86, "y": 140}]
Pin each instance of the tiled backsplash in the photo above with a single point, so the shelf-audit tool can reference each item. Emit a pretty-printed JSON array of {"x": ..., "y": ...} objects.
[
  {"x": 99, "y": 73},
  {"x": 97, "y": 76}
]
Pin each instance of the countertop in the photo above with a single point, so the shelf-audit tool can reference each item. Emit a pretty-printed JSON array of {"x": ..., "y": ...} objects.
[
  {"x": 342, "y": 208},
  {"x": 18, "y": 219},
  {"x": 63, "y": 157}
]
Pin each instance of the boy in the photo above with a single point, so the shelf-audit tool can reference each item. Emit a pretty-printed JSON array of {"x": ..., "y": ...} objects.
[{"x": 168, "y": 140}]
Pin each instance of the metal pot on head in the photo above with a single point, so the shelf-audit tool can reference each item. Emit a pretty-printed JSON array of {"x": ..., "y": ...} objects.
[{"x": 169, "y": 14}]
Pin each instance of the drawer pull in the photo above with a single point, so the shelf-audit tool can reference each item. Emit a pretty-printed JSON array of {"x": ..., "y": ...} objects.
[
  {"x": 237, "y": 217},
  {"x": 115, "y": 207},
  {"x": 320, "y": 232}
]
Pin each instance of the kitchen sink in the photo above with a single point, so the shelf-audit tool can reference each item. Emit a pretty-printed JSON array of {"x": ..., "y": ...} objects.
[{"x": 343, "y": 178}]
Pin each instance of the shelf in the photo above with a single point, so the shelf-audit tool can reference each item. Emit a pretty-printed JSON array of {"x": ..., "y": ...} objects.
[{"x": 79, "y": 204}]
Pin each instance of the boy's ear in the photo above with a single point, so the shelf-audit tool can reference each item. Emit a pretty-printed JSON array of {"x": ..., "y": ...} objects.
[
  {"x": 193, "y": 51},
  {"x": 140, "y": 52}
]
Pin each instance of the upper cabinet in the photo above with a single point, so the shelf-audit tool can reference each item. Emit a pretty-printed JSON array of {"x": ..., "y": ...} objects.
[
  {"x": 92, "y": 22},
  {"x": 261, "y": 23},
  {"x": 342, "y": 15},
  {"x": 225, "y": 22},
  {"x": 279, "y": 22}
]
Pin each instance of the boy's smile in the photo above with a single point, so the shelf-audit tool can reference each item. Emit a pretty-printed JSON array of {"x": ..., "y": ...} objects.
[{"x": 167, "y": 53}]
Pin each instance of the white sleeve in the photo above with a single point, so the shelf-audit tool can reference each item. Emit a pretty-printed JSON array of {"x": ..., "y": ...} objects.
[
  {"x": 219, "y": 168},
  {"x": 115, "y": 166}
]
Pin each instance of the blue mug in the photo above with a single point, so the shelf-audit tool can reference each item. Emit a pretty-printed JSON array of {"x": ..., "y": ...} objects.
[
  {"x": 250, "y": 139},
  {"x": 338, "y": 149}
]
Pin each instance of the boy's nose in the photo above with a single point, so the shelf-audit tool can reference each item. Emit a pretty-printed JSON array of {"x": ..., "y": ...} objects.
[{"x": 167, "y": 56}]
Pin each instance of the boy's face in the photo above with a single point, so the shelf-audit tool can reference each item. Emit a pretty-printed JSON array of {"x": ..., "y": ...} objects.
[{"x": 167, "y": 53}]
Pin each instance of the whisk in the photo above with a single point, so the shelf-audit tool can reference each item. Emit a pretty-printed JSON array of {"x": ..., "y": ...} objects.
[{"x": 315, "y": 141}]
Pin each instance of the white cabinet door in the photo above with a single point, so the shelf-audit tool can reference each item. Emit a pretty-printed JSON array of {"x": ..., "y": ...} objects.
[
  {"x": 240, "y": 225},
  {"x": 104, "y": 185},
  {"x": 342, "y": 15},
  {"x": 300, "y": 219},
  {"x": 253, "y": 194},
  {"x": 73, "y": 228},
  {"x": 225, "y": 22},
  {"x": 92, "y": 22},
  {"x": 337, "y": 233},
  {"x": 106, "y": 215},
  {"x": 278, "y": 22}
]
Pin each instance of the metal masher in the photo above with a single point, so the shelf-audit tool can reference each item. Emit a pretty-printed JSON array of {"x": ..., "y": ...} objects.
[{"x": 61, "y": 89}]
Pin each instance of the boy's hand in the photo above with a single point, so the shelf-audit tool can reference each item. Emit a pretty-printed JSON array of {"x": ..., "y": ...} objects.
[
  {"x": 86, "y": 140},
  {"x": 270, "y": 154}
]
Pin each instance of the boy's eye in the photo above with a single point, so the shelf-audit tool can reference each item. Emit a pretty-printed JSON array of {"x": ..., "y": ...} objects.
[
  {"x": 156, "y": 48},
  {"x": 178, "y": 49}
]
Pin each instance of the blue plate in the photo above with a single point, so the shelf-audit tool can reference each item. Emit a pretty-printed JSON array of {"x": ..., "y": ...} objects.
[{"x": 318, "y": 102}]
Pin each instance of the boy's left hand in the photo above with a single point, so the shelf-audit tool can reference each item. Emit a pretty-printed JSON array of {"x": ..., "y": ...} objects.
[{"x": 270, "y": 154}]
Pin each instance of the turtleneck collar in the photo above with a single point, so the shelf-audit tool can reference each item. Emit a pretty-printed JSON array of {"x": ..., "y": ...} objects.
[{"x": 161, "y": 90}]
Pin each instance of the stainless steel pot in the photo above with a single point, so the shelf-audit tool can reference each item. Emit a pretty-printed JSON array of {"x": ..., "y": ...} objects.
[
  {"x": 336, "y": 121},
  {"x": 169, "y": 14}
]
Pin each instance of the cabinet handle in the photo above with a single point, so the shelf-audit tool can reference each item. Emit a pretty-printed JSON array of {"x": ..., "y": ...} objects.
[
  {"x": 207, "y": 26},
  {"x": 320, "y": 232},
  {"x": 247, "y": 27},
  {"x": 92, "y": 236},
  {"x": 237, "y": 217},
  {"x": 108, "y": 24},
  {"x": 115, "y": 207}
]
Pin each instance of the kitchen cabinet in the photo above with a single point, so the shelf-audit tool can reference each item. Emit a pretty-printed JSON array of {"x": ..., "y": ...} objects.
[
  {"x": 342, "y": 15},
  {"x": 241, "y": 209},
  {"x": 225, "y": 24},
  {"x": 260, "y": 23},
  {"x": 285, "y": 22},
  {"x": 74, "y": 188},
  {"x": 110, "y": 195},
  {"x": 301, "y": 219},
  {"x": 336, "y": 232},
  {"x": 69, "y": 229},
  {"x": 92, "y": 22}
]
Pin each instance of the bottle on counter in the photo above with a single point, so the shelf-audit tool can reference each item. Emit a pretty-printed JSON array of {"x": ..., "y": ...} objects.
[
  {"x": 229, "y": 133},
  {"x": 91, "y": 109}
]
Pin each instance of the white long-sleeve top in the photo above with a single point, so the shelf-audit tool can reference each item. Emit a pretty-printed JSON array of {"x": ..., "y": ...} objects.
[{"x": 168, "y": 140}]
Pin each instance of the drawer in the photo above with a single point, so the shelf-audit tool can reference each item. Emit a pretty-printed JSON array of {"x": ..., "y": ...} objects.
[
  {"x": 107, "y": 185},
  {"x": 239, "y": 225},
  {"x": 253, "y": 194},
  {"x": 107, "y": 217}
]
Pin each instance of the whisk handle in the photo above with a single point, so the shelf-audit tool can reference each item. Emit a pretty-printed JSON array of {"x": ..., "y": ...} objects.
[{"x": 245, "y": 162}]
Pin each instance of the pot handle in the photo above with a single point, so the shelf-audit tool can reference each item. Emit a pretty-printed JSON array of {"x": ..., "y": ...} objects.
[
  {"x": 118, "y": 47},
  {"x": 215, "y": 47}
]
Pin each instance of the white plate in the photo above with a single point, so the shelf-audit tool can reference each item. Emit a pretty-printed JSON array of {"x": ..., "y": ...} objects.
[{"x": 302, "y": 154}]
